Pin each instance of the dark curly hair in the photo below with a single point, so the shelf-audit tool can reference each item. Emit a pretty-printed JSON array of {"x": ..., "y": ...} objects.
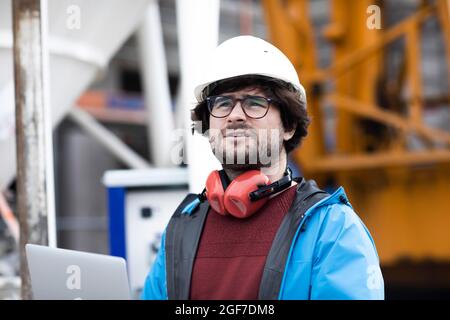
[{"x": 291, "y": 104}]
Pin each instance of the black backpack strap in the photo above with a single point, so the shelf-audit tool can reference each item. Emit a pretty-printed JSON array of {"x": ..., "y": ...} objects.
[
  {"x": 307, "y": 195},
  {"x": 182, "y": 238}
]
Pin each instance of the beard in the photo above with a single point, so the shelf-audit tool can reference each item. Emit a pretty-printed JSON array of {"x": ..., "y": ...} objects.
[{"x": 241, "y": 148}]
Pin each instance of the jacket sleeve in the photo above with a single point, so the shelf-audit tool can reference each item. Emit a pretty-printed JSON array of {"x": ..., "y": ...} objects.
[
  {"x": 155, "y": 287},
  {"x": 346, "y": 264}
]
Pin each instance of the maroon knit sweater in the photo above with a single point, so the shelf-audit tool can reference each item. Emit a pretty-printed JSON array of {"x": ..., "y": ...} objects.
[{"x": 232, "y": 252}]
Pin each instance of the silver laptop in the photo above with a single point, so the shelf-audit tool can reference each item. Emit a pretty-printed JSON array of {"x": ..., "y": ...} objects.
[{"x": 60, "y": 274}]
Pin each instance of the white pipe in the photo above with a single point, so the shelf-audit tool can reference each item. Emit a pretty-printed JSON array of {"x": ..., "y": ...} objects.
[
  {"x": 198, "y": 32},
  {"x": 107, "y": 139},
  {"x": 48, "y": 129},
  {"x": 156, "y": 86}
]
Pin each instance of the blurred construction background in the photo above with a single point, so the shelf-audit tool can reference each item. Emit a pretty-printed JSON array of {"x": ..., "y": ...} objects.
[{"x": 121, "y": 75}]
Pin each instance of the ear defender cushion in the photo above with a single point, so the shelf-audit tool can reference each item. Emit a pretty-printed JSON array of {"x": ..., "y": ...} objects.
[
  {"x": 236, "y": 199},
  {"x": 215, "y": 192}
]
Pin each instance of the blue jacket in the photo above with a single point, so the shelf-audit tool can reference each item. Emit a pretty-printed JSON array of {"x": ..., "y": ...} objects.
[{"x": 332, "y": 256}]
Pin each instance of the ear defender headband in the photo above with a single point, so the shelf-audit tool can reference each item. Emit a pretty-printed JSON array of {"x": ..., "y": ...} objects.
[{"x": 241, "y": 197}]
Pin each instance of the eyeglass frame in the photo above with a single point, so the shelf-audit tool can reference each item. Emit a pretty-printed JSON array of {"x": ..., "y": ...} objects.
[{"x": 235, "y": 101}]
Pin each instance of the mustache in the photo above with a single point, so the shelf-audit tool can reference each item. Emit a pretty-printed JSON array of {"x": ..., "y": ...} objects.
[{"x": 248, "y": 130}]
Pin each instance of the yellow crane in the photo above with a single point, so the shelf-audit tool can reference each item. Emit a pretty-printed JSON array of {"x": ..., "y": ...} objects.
[{"x": 400, "y": 192}]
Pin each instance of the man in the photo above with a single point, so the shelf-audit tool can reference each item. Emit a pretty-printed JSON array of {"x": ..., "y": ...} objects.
[{"x": 256, "y": 232}]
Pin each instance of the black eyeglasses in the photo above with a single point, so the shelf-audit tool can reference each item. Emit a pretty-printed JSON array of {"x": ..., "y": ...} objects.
[{"x": 255, "y": 107}]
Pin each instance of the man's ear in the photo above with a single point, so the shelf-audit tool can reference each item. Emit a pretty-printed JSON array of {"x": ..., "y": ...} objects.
[{"x": 289, "y": 134}]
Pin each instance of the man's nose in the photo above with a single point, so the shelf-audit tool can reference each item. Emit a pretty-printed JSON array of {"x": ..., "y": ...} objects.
[{"x": 237, "y": 114}]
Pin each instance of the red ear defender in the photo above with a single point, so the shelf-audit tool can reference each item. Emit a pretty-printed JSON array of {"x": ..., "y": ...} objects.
[
  {"x": 215, "y": 192},
  {"x": 235, "y": 199}
]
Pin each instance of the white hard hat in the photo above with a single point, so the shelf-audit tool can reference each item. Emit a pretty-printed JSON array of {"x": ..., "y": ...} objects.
[{"x": 247, "y": 55}]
